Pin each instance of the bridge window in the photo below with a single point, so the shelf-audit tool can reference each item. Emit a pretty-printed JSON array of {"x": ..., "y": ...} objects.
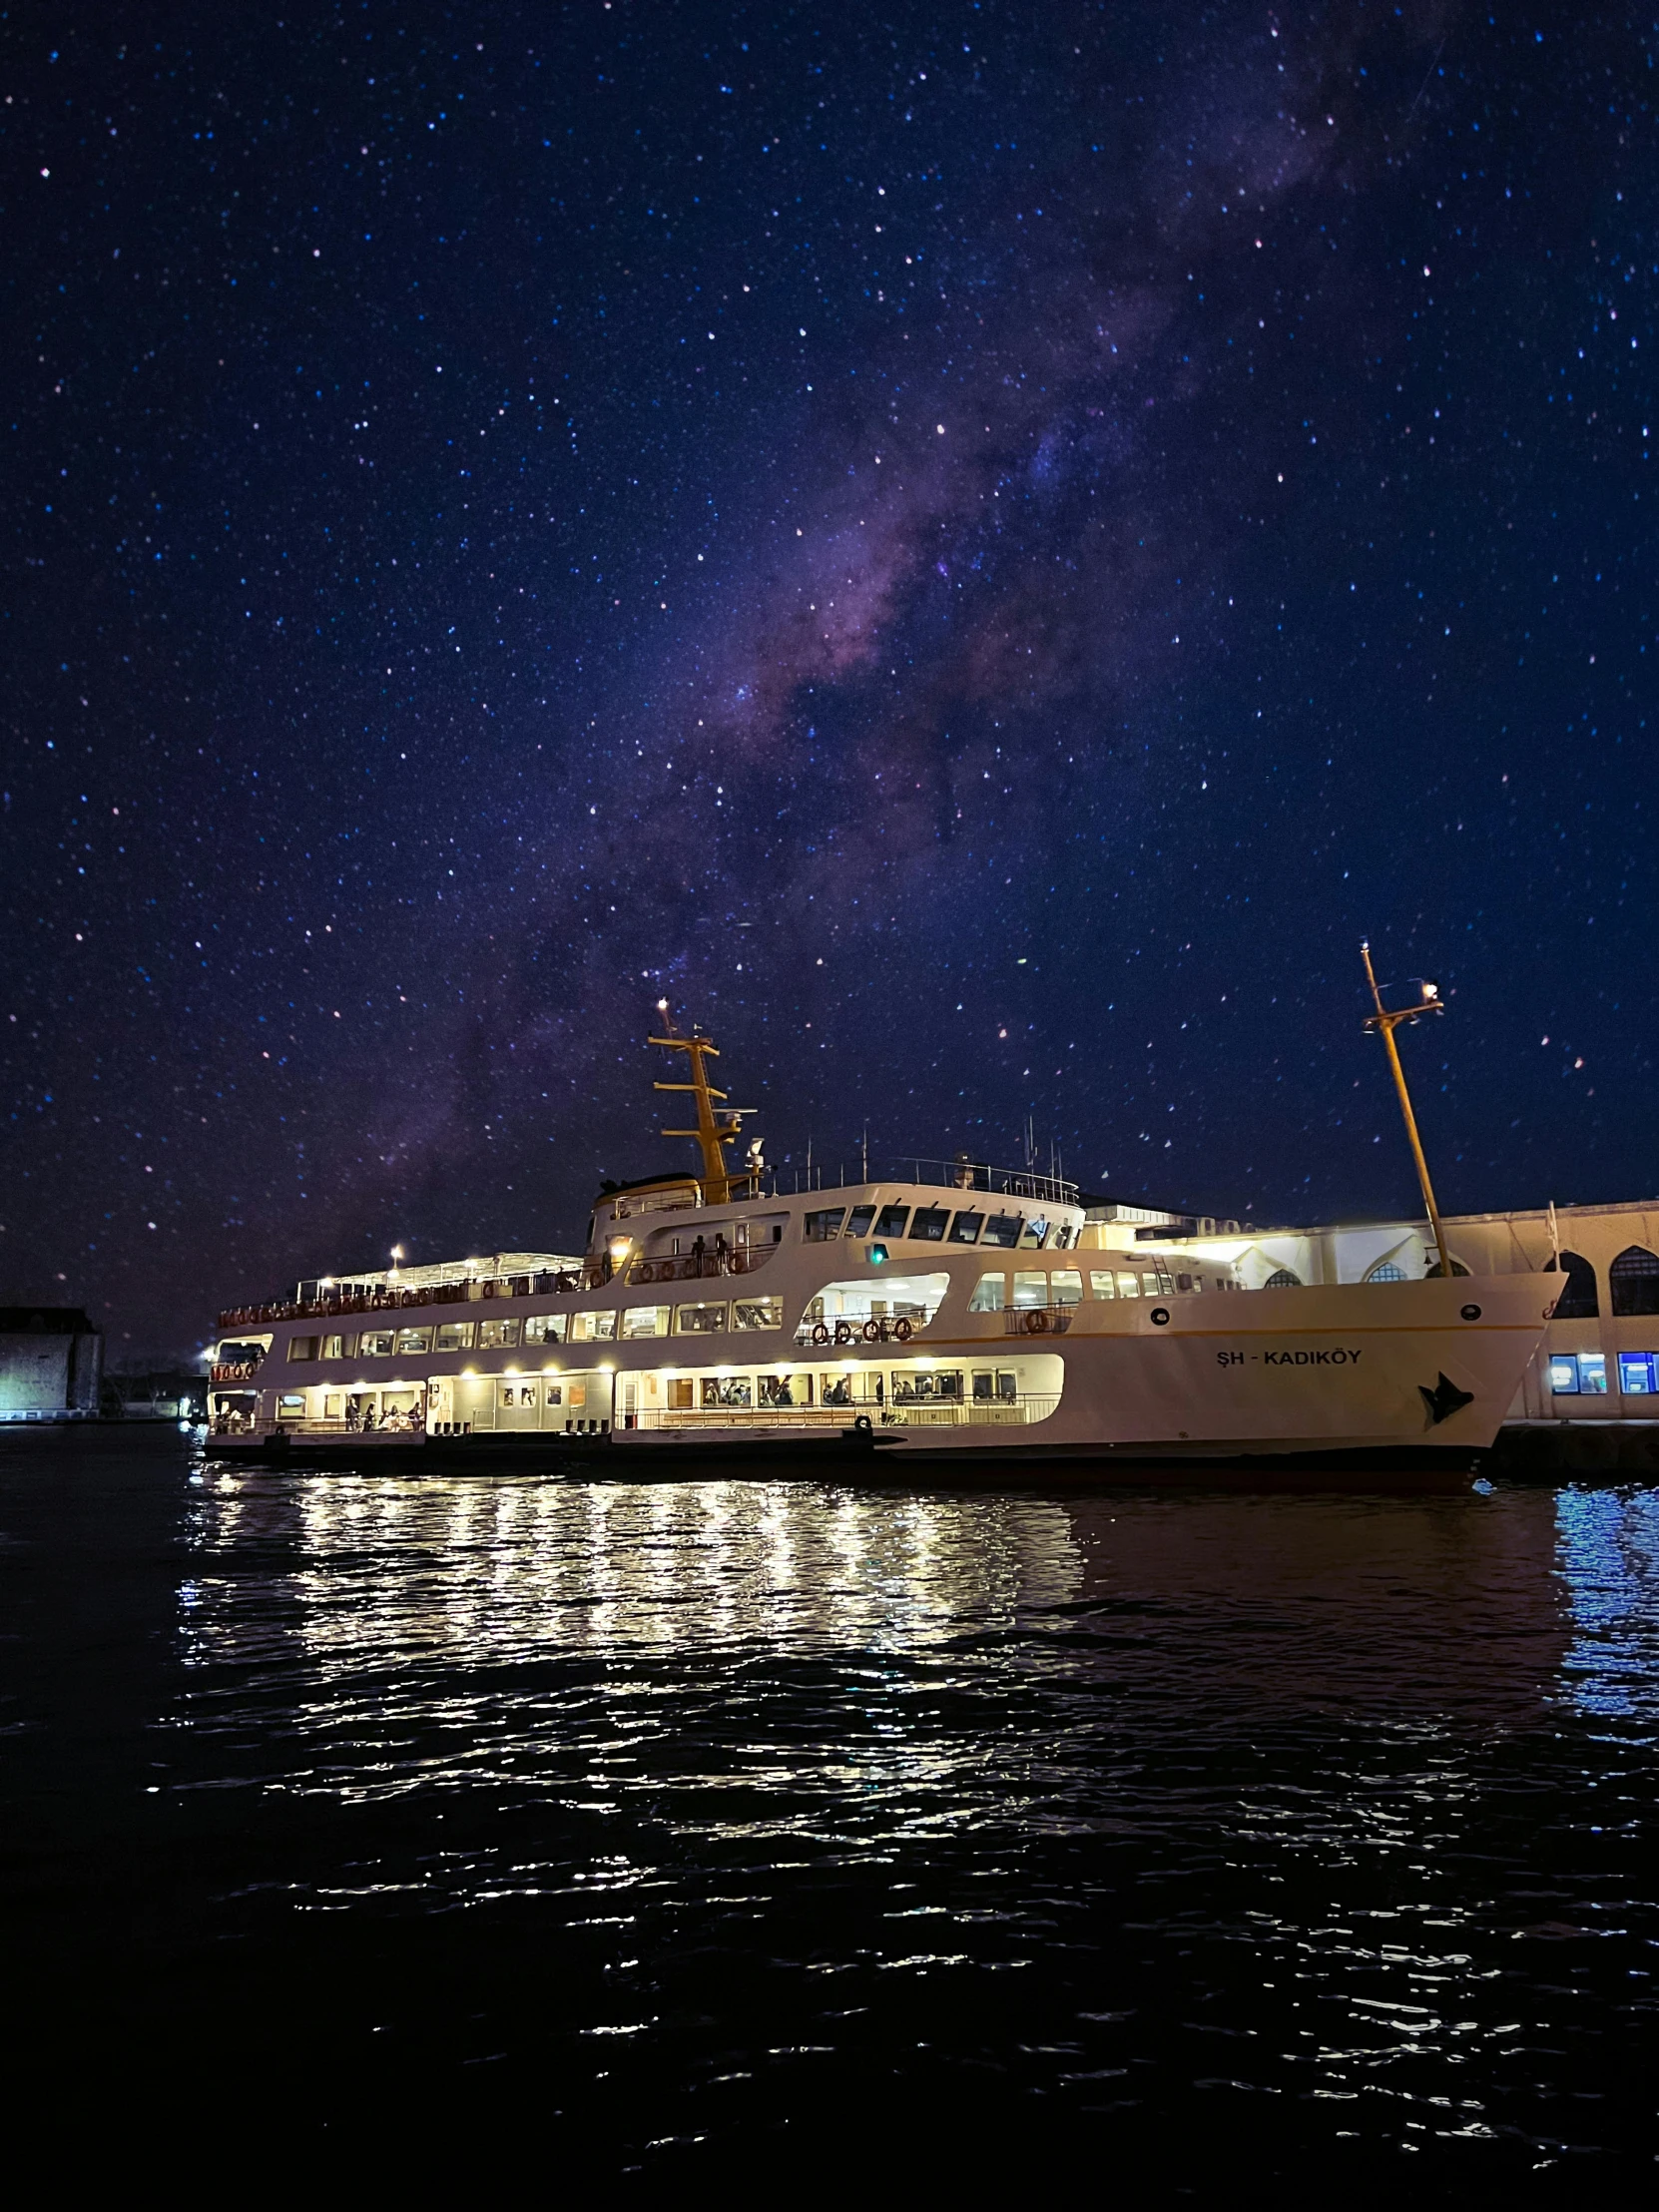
[
  {"x": 1003, "y": 1230},
  {"x": 1633, "y": 1280},
  {"x": 824, "y": 1224},
  {"x": 858, "y": 1221},
  {"x": 893, "y": 1221},
  {"x": 929, "y": 1223},
  {"x": 1578, "y": 1299},
  {"x": 965, "y": 1228}
]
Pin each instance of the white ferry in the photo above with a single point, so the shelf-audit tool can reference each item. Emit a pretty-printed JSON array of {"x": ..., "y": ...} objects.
[{"x": 951, "y": 1317}]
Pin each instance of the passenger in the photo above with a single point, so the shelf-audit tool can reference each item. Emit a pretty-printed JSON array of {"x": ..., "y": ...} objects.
[
  {"x": 367, "y": 1419},
  {"x": 697, "y": 1248}
]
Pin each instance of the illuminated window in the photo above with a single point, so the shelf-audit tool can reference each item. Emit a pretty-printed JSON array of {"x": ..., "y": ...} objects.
[
  {"x": 734, "y": 1390},
  {"x": 785, "y": 1390},
  {"x": 1563, "y": 1373},
  {"x": 758, "y": 1312},
  {"x": 1102, "y": 1283},
  {"x": 497, "y": 1336},
  {"x": 645, "y": 1320},
  {"x": 988, "y": 1294},
  {"x": 455, "y": 1336},
  {"x": 1583, "y": 1373},
  {"x": 1636, "y": 1373},
  {"x": 1592, "y": 1373},
  {"x": 588, "y": 1328},
  {"x": 1129, "y": 1286},
  {"x": 374, "y": 1344},
  {"x": 1065, "y": 1288},
  {"x": 414, "y": 1339},
  {"x": 334, "y": 1348},
  {"x": 541, "y": 1328},
  {"x": 699, "y": 1321},
  {"x": 1030, "y": 1290},
  {"x": 291, "y": 1406}
]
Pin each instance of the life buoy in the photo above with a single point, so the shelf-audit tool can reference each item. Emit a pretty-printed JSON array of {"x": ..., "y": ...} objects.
[
  {"x": 873, "y": 1330},
  {"x": 843, "y": 1332},
  {"x": 1036, "y": 1322},
  {"x": 864, "y": 1425},
  {"x": 739, "y": 1263},
  {"x": 821, "y": 1332},
  {"x": 903, "y": 1330}
]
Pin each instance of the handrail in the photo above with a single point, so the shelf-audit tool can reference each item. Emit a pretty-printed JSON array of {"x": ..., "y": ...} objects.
[
  {"x": 1037, "y": 1321},
  {"x": 697, "y": 1267}
]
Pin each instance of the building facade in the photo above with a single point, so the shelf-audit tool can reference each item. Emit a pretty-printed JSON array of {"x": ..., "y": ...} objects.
[{"x": 51, "y": 1363}]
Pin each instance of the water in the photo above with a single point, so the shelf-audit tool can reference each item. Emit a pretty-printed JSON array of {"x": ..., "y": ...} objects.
[{"x": 716, "y": 1825}]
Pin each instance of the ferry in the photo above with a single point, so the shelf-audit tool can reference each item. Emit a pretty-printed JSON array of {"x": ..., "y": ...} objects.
[{"x": 949, "y": 1316}]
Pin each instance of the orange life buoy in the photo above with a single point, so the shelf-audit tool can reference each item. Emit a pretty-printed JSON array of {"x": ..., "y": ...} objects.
[
  {"x": 821, "y": 1332},
  {"x": 902, "y": 1329},
  {"x": 1036, "y": 1322},
  {"x": 873, "y": 1330}
]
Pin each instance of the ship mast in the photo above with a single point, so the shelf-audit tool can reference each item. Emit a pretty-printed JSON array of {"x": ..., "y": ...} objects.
[
  {"x": 717, "y": 1182},
  {"x": 1385, "y": 1023}
]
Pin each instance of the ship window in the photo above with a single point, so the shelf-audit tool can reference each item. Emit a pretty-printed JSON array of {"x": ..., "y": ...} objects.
[
  {"x": 333, "y": 1409},
  {"x": 334, "y": 1348},
  {"x": 1636, "y": 1373},
  {"x": 1065, "y": 1288},
  {"x": 1003, "y": 1230},
  {"x": 1064, "y": 1238},
  {"x": 1283, "y": 1279},
  {"x": 965, "y": 1228},
  {"x": 301, "y": 1348},
  {"x": 1633, "y": 1280},
  {"x": 891, "y": 1223},
  {"x": 988, "y": 1294},
  {"x": 1030, "y": 1290},
  {"x": 645, "y": 1320},
  {"x": 1185, "y": 1283},
  {"x": 728, "y": 1390},
  {"x": 680, "y": 1391},
  {"x": 414, "y": 1340},
  {"x": 785, "y": 1390},
  {"x": 928, "y": 1386},
  {"x": 1102, "y": 1283},
  {"x": 539, "y": 1328},
  {"x": 587, "y": 1329},
  {"x": 1563, "y": 1373},
  {"x": 1386, "y": 1272},
  {"x": 929, "y": 1223},
  {"x": 758, "y": 1312},
  {"x": 291, "y": 1406},
  {"x": 1036, "y": 1235},
  {"x": 1157, "y": 1283},
  {"x": 555, "y": 1394},
  {"x": 455, "y": 1336},
  {"x": 821, "y": 1226},
  {"x": 989, "y": 1387},
  {"x": 1578, "y": 1300},
  {"x": 1129, "y": 1286},
  {"x": 858, "y": 1221},
  {"x": 494, "y": 1336},
  {"x": 699, "y": 1321},
  {"x": 1592, "y": 1373}
]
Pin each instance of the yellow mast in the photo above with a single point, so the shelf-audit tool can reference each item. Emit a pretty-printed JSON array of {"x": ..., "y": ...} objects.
[
  {"x": 1385, "y": 1023},
  {"x": 708, "y": 1133}
]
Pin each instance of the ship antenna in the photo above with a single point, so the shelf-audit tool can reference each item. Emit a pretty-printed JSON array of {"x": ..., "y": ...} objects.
[
  {"x": 1385, "y": 1023},
  {"x": 709, "y": 1135}
]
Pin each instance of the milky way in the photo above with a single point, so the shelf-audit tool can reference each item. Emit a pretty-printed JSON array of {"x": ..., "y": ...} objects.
[{"x": 976, "y": 552}]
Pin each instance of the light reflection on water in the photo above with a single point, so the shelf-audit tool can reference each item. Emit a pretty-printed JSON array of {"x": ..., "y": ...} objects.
[{"x": 1136, "y": 1798}]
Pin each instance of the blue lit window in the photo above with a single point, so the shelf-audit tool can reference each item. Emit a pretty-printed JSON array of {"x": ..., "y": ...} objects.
[
  {"x": 1636, "y": 1373},
  {"x": 1592, "y": 1373},
  {"x": 1563, "y": 1373}
]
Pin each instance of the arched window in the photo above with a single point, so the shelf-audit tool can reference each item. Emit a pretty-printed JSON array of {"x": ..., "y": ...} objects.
[
  {"x": 1634, "y": 1280},
  {"x": 1386, "y": 1272},
  {"x": 1578, "y": 1300},
  {"x": 1283, "y": 1279}
]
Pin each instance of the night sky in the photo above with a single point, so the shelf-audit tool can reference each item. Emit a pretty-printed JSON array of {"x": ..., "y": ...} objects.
[{"x": 976, "y": 549}]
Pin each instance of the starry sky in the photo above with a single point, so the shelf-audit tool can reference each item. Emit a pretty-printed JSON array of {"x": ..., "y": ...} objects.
[{"x": 978, "y": 549}]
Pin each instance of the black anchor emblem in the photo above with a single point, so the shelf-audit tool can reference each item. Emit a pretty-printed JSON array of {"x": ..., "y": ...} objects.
[{"x": 1443, "y": 1400}]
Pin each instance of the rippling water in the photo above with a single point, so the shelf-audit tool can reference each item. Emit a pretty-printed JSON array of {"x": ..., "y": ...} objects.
[{"x": 698, "y": 1823}]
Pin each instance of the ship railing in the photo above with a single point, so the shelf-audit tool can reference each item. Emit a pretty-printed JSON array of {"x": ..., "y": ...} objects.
[
  {"x": 972, "y": 1412},
  {"x": 697, "y": 1267},
  {"x": 967, "y": 1175},
  {"x": 880, "y": 1329},
  {"x": 1037, "y": 1321}
]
